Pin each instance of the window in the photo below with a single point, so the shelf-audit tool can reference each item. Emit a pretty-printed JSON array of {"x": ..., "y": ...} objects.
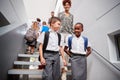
[
  {"x": 114, "y": 46},
  {"x": 117, "y": 41},
  {"x": 3, "y": 20}
]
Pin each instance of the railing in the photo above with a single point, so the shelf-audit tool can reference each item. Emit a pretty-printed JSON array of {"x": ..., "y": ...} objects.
[{"x": 116, "y": 67}]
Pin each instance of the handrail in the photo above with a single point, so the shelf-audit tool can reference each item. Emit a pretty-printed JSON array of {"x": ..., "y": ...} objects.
[{"x": 106, "y": 60}]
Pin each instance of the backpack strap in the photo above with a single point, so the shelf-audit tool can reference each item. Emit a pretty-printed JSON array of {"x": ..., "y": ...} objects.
[
  {"x": 59, "y": 38},
  {"x": 46, "y": 38},
  {"x": 85, "y": 42},
  {"x": 70, "y": 42}
]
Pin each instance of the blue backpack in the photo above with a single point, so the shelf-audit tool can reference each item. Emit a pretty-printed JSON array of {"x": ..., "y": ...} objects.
[{"x": 85, "y": 42}]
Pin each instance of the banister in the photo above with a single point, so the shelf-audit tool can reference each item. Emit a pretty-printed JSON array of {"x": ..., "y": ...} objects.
[{"x": 106, "y": 59}]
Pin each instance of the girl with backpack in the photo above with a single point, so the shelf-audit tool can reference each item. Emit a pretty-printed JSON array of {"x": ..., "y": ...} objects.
[
  {"x": 78, "y": 48},
  {"x": 31, "y": 37}
]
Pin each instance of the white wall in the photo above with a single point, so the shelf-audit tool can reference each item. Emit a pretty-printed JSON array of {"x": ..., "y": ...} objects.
[
  {"x": 100, "y": 18},
  {"x": 39, "y": 8},
  {"x": 14, "y": 12}
]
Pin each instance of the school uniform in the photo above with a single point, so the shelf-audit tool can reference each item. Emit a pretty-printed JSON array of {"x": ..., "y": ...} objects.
[
  {"x": 78, "y": 58},
  {"x": 52, "y": 57}
]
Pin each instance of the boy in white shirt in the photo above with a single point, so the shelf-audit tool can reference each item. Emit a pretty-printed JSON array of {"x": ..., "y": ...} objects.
[{"x": 50, "y": 56}]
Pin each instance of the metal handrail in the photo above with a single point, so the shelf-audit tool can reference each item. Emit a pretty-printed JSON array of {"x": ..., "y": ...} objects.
[{"x": 106, "y": 59}]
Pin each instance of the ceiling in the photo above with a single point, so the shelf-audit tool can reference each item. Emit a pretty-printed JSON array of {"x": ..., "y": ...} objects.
[{"x": 39, "y": 8}]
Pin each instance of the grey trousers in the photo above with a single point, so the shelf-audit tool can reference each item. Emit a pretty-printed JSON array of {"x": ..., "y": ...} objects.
[
  {"x": 52, "y": 68},
  {"x": 78, "y": 67}
]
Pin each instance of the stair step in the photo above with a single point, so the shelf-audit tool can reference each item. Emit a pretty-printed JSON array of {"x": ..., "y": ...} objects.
[
  {"x": 25, "y": 71},
  {"x": 29, "y": 71},
  {"x": 26, "y": 63},
  {"x": 36, "y": 63},
  {"x": 69, "y": 64},
  {"x": 28, "y": 55},
  {"x": 35, "y": 77}
]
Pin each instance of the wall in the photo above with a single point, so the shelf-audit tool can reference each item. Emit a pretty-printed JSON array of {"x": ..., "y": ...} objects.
[
  {"x": 99, "y": 69},
  {"x": 39, "y": 9},
  {"x": 14, "y": 12},
  {"x": 11, "y": 44},
  {"x": 11, "y": 36}
]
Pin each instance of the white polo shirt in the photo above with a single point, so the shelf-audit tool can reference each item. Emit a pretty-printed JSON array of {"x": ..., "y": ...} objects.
[
  {"x": 52, "y": 42},
  {"x": 78, "y": 45}
]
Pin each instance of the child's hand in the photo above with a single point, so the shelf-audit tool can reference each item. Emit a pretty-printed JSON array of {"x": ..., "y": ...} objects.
[
  {"x": 43, "y": 62},
  {"x": 88, "y": 51},
  {"x": 65, "y": 63}
]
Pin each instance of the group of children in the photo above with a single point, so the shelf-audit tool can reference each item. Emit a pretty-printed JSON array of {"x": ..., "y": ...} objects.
[
  {"x": 63, "y": 39},
  {"x": 33, "y": 33}
]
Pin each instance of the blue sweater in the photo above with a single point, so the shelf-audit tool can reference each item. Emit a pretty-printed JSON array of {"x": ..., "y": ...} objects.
[{"x": 45, "y": 28}]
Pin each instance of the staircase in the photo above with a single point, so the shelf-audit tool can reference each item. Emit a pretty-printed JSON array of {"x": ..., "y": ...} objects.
[{"x": 26, "y": 68}]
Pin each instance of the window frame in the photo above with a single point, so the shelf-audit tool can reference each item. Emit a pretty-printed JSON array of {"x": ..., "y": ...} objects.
[
  {"x": 3, "y": 20},
  {"x": 117, "y": 43}
]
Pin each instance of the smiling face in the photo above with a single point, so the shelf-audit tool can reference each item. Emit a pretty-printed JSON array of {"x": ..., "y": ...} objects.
[
  {"x": 67, "y": 6},
  {"x": 78, "y": 28},
  {"x": 56, "y": 25}
]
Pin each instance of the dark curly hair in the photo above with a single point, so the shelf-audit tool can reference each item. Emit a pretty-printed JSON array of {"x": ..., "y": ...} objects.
[
  {"x": 66, "y": 1},
  {"x": 38, "y": 19}
]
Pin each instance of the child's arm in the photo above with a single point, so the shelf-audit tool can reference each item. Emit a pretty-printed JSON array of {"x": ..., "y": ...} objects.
[
  {"x": 62, "y": 54},
  {"x": 89, "y": 50},
  {"x": 42, "y": 60},
  {"x": 67, "y": 51}
]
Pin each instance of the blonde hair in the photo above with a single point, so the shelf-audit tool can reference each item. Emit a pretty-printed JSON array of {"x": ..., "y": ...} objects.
[{"x": 35, "y": 25}]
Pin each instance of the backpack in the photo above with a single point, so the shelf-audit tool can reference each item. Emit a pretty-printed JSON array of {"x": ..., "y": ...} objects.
[
  {"x": 85, "y": 42},
  {"x": 46, "y": 39},
  {"x": 30, "y": 35}
]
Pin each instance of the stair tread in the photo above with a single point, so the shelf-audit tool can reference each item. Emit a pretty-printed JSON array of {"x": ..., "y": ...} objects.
[
  {"x": 26, "y": 63},
  {"x": 28, "y": 55},
  {"x": 29, "y": 71},
  {"x": 30, "y": 63},
  {"x": 25, "y": 71}
]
